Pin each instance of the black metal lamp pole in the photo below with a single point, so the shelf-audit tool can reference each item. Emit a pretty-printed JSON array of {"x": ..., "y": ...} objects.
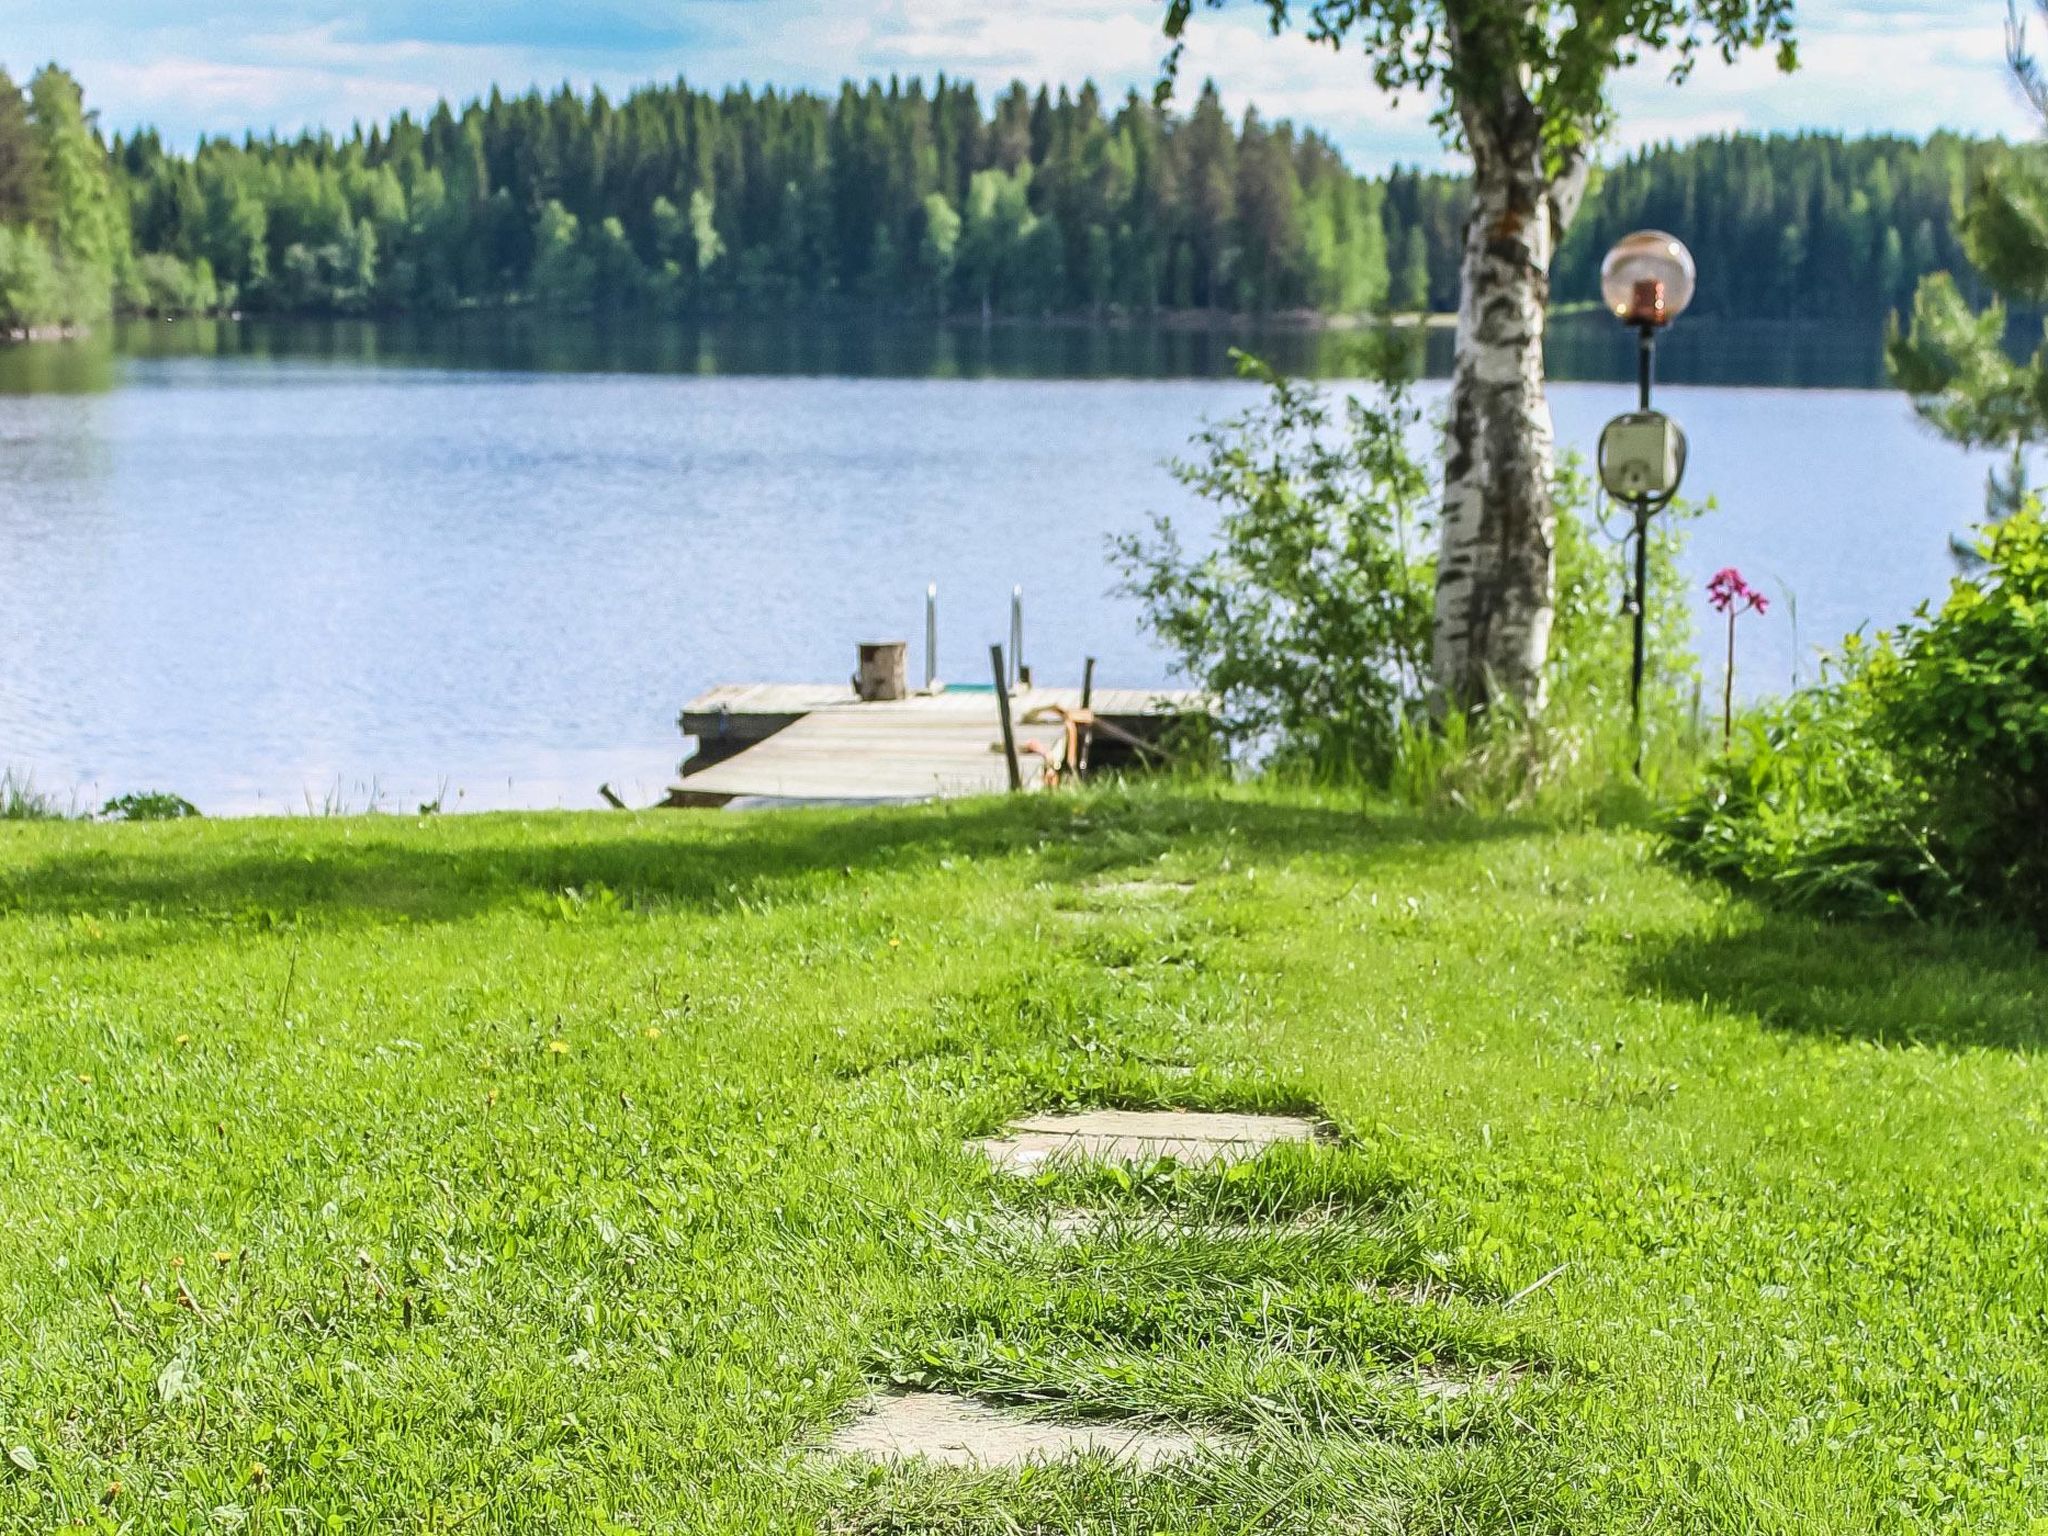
[
  {"x": 1647, "y": 281},
  {"x": 1646, "y": 372}
]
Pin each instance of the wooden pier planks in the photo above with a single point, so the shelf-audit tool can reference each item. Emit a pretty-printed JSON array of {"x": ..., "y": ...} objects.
[
  {"x": 896, "y": 751},
  {"x": 811, "y": 742}
]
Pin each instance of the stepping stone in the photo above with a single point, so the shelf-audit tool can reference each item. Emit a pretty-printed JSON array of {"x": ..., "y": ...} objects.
[
  {"x": 1140, "y": 1136},
  {"x": 958, "y": 1432},
  {"x": 1434, "y": 1387},
  {"x": 1142, "y": 890},
  {"x": 1072, "y": 1226}
]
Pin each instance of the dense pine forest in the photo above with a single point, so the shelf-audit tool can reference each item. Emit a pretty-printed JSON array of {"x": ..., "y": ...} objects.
[{"x": 895, "y": 197}]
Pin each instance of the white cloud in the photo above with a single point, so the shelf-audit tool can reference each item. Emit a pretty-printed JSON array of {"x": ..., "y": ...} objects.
[
  {"x": 1900, "y": 70},
  {"x": 1908, "y": 66}
]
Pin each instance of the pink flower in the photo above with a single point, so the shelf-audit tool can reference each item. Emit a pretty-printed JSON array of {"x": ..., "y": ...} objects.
[{"x": 1729, "y": 593}]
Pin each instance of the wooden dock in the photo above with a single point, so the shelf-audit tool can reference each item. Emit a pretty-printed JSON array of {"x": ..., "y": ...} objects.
[{"x": 794, "y": 741}]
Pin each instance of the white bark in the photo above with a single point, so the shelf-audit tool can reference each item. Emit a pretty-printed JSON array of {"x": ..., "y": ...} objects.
[{"x": 1496, "y": 569}]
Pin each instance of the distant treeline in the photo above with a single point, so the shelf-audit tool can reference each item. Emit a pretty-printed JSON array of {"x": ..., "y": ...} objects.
[
  {"x": 1786, "y": 226},
  {"x": 895, "y": 197}
]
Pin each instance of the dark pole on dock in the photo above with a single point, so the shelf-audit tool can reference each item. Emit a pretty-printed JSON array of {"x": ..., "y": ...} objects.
[
  {"x": 995, "y": 657},
  {"x": 1087, "y": 728}
]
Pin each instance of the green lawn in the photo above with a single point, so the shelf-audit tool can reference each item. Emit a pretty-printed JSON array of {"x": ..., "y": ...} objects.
[{"x": 573, "y": 1173}]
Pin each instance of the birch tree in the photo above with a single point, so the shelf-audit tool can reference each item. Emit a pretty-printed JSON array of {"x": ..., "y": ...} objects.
[{"x": 1522, "y": 87}]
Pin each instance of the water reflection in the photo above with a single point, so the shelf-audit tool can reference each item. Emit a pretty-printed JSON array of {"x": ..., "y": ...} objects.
[
  {"x": 1585, "y": 347},
  {"x": 82, "y": 367}
]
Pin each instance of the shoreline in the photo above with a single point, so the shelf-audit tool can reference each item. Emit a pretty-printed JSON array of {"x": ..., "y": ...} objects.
[
  {"x": 1178, "y": 321},
  {"x": 23, "y": 335}
]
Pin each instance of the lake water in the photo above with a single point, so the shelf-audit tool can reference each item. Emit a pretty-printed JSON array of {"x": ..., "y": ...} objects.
[{"x": 267, "y": 567}]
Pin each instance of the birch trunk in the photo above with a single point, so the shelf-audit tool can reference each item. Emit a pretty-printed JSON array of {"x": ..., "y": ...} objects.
[{"x": 1496, "y": 569}]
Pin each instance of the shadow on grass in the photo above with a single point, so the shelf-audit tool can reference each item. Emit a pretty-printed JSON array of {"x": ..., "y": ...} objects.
[
  {"x": 1889, "y": 983},
  {"x": 374, "y": 869}
]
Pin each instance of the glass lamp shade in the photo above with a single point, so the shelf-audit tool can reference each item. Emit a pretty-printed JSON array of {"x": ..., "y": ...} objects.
[{"x": 1648, "y": 278}]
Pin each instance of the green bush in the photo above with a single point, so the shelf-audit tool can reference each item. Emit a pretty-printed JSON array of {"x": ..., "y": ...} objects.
[
  {"x": 1308, "y": 620},
  {"x": 1961, "y": 699},
  {"x": 1807, "y": 805},
  {"x": 1915, "y": 779},
  {"x": 149, "y": 805}
]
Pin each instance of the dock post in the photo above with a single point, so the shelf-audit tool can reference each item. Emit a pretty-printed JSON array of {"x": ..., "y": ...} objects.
[
  {"x": 931, "y": 636},
  {"x": 881, "y": 672},
  {"x": 1016, "y": 635},
  {"x": 995, "y": 657},
  {"x": 1087, "y": 733}
]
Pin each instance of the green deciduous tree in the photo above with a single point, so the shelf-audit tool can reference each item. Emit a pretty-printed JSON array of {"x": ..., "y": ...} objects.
[
  {"x": 22, "y": 186},
  {"x": 996, "y": 224},
  {"x": 65, "y": 230},
  {"x": 84, "y": 222},
  {"x": 1522, "y": 88},
  {"x": 563, "y": 276},
  {"x": 31, "y": 292},
  {"x": 938, "y": 247},
  {"x": 1411, "y": 278}
]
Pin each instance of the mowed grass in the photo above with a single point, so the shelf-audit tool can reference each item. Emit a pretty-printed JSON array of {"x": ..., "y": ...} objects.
[{"x": 578, "y": 1173}]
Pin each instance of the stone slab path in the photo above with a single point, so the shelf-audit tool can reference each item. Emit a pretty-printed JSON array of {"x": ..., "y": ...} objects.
[
  {"x": 959, "y": 1432},
  {"x": 1136, "y": 1136},
  {"x": 1077, "y": 1225},
  {"x": 1142, "y": 890},
  {"x": 947, "y": 1430}
]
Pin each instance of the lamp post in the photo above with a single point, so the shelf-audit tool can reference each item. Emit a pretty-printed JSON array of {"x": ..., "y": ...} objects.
[{"x": 1647, "y": 281}]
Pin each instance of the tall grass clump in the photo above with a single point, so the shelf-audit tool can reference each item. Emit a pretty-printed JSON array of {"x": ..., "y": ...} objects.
[
  {"x": 1577, "y": 758},
  {"x": 1307, "y": 616},
  {"x": 20, "y": 800}
]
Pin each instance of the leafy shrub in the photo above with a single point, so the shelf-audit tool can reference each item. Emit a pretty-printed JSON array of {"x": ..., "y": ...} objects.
[
  {"x": 1809, "y": 806},
  {"x": 1308, "y": 620},
  {"x": 151, "y": 805},
  {"x": 1916, "y": 778},
  {"x": 1962, "y": 701}
]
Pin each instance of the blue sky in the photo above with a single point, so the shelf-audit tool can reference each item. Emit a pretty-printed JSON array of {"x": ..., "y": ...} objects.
[{"x": 217, "y": 66}]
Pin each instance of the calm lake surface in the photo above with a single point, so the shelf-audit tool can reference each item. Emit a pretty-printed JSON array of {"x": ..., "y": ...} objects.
[{"x": 269, "y": 567}]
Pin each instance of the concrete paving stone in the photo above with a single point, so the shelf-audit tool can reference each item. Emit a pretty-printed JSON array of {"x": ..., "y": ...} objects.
[
  {"x": 1130, "y": 1135},
  {"x": 959, "y": 1432},
  {"x": 1142, "y": 890},
  {"x": 1073, "y": 1224}
]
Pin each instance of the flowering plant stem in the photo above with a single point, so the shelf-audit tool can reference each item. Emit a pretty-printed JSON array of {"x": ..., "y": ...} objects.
[
  {"x": 1728, "y": 593},
  {"x": 1728, "y": 689}
]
